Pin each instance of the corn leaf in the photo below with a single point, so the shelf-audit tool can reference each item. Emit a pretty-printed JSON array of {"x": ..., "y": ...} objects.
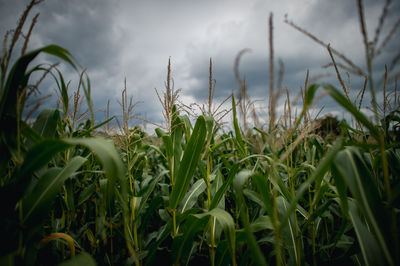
[
  {"x": 238, "y": 135},
  {"x": 192, "y": 195},
  {"x": 323, "y": 167},
  {"x": 189, "y": 163},
  {"x": 227, "y": 223},
  {"x": 36, "y": 158},
  {"x": 353, "y": 168},
  {"x": 350, "y": 107},
  {"x": 80, "y": 259},
  {"x": 183, "y": 243},
  {"x": 105, "y": 151},
  {"x": 47, "y": 188},
  {"x": 369, "y": 245},
  {"x": 46, "y": 122},
  {"x": 221, "y": 191},
  {"x": 258, "y": 256},
  {"x": 265, "y": 192},
  {"x": 146, "y": 193},
  {"x": 86, "y": 193}
]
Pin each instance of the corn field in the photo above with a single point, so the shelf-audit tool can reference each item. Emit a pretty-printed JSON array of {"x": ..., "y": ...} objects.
[{"x": 300, "y": 191}]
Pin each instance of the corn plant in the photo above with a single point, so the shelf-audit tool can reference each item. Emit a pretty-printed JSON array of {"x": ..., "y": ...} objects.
[{"x": 293, "y": 193}]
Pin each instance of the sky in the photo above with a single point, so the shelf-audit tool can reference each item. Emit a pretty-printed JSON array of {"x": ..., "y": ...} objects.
[{"x": 118, "y": 40}]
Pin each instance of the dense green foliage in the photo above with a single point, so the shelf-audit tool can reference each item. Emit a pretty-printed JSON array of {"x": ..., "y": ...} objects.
[{"x": 193, "y": 194}]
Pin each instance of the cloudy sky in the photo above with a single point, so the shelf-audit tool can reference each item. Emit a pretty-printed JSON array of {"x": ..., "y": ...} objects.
[{"x": 133, "y": 40}]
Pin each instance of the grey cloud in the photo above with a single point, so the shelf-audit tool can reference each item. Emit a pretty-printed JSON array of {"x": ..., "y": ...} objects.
[
  {"x": 134, "y": 39},
  {"x": 85, "y": 28}
]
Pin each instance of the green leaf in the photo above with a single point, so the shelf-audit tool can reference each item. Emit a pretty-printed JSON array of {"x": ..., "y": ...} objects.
[
  {"x": 90, "y": 130},
  {"x": 40, "y": 154},
  {"x": 192, "y": 195},
  {"x": 341, "y": 187},
  {"x": 217, "y": 183},
  {"x": 86, "y": 193},
  {"x": 189, "y": 162},
  {"x": 289, "y": 235},
  {"x": 187, "y": 126},
  {"x": 321, "y": 170},
  {"x": 157, "y": 149},
  {"x": 210, "y": 128},
  {"x": 227, "y": 223},
  {"x": 183, "y": 243},
  {"x": 350, "y": 107},
  {"x": 80, "y": 259},
  {"x": 318, "y": 213},
  {"x": 31, "y": 135},
  {"x": 253, "y": 196},
  {"x": 238, "y": 184},
  {"x": 265, "y": 192},
  {"x": 46, "y": 122},
  {"x": 164, "y": 232},
  {"x": 107, "y": 154},
  {"x": 238, "y": 140},
  {"x": 146, "y": 193},
  {"x": 36, "y": 158},
  {"x": 16, "y": 79},
  {"x": 276, "y": 179},
  {"x": 87, "y": 90},
  {"x": 15, "y": 84},
  {"x": 353, "y": 168},
  {"x": 221, "y": 192},
  {"x": 63, "y": 92},
  {"x": 47, "y": 188},
  {"x": 263, "y": 222},
  {"x": 309, "y": 98},
  {"x": 69, "y": 196},
  {"x": 240, "y": 179},
  {"x": 369, "y": 245},
  {"x": 177, "y": 129}
]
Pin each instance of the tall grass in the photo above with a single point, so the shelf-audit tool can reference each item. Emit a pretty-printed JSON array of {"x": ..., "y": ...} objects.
[{"x": 299, "y": 192}]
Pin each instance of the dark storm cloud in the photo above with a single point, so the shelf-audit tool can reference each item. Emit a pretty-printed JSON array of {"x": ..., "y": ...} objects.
[
  {"x": 115, "y": 40},
  {"x": 256, "y": 71},
  {"x": 85, "y": 28},
  {"x": 334, "y": 22}
]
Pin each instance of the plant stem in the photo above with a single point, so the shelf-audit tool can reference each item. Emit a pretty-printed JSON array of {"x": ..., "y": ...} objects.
[
  {"x": 290, "y": 176},
  {"x": 174, "y": 223},
  {"x": 276, "y": 226},
  {"x": 172, "y": 171},
  {"x": 212, "y": 222},
  {"x": 135, "y": 237},
  {"x": 212, "y": 231}
]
